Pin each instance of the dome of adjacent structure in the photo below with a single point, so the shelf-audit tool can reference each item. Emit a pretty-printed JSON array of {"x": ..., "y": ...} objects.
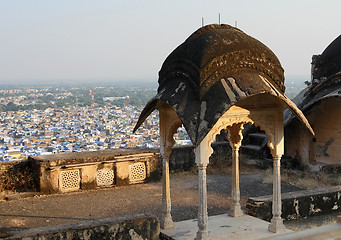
[{"x": 328, "y": 64}]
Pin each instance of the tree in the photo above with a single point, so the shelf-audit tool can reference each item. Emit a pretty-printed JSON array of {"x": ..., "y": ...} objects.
[{"x": 12, "y": 107}]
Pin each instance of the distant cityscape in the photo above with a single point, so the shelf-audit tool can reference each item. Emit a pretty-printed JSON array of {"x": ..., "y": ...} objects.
[
  {"x": 73, "y": 118},
  {"x": 49, "y": 128}
]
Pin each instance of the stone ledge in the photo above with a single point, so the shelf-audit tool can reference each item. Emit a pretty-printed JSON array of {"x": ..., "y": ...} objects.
[
  {"x": 86, "y": 156},
  {"x": 46, "y": 173},
  {"x": 142, "y": 226},
  {"x": 18, "y": 195},
  {"x": 299, "y": 204},
  {"x": 331, "y": 168},
  {"x": 69, "y": 172}
]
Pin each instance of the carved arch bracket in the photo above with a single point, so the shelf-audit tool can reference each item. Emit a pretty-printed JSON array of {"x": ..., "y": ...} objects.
[
  {"x": 235, "y": 135},
  {"x": 238, "y": 115},
  {"x": 224, "y": 122},
  {"x": 267, "y": 124},
  {"x": 169, "y": 124}
]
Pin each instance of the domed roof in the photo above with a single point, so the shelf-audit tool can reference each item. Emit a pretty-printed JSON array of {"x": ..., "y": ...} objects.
[
  {"x": 216, "y": 66},
  {"x": 214, "y": 50},
  {"x": 329, "y": 62}
]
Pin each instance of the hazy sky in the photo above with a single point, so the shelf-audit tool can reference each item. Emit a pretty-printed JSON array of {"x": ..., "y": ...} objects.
[{"x": 126, "y": 40}]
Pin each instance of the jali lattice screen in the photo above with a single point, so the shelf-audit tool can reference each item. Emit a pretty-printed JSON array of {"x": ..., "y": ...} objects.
[
  {"x": 137, "y": 172},
  {"x": 105, "y": 177},
  {"x": 69, "y": 180}
]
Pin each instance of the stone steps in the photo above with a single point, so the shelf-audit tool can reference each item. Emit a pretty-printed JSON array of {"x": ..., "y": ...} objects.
[{"x": 256, "y": 144}]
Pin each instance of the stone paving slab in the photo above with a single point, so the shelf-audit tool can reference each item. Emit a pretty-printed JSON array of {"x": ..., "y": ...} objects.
[
  {"x": 326, "y": 232},
  {"x": 224, "y": 227}
]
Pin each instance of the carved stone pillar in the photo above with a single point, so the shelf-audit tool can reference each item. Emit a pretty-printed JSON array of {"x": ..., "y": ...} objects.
[
  {"x": 276, "y": 224},
  {"x": 166, "y": 221},
  {"x": 202, "y": 208},
  {"x": 235, "y": 137},
  {"x": 169, "y": 124},
  {"x": 202, "y": 154}
]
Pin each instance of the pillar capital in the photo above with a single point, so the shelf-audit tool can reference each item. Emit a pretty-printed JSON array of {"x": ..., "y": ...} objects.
[
  {"x": 235, "y": 135},
  {"x": 203, "y": 152}
]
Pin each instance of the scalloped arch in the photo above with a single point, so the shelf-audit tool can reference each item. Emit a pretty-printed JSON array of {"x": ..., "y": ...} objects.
[{"x": 228, "y": 119}]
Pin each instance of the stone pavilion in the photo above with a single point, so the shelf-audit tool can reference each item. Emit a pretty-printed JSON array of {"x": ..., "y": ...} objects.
[{"x": 220, "y": 78}]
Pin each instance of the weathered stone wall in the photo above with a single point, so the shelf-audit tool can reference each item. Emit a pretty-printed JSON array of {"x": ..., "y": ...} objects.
[
  {"x": 324, "y": 147},
  {"x": 138, "y": 227},
  {"x": 183, "y": 158},
  {"x": 296, "y": 205},
  {"x": 222, "y": 154},
  {"x": 326, "y": 119}
]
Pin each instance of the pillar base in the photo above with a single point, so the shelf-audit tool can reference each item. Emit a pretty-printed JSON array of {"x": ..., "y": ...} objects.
[
  {"x": 276, "y": 225},
  {"x": 202, "y": 235},
  {"x": 166, "y": 222},
  {"x": 235, "y": 211}
]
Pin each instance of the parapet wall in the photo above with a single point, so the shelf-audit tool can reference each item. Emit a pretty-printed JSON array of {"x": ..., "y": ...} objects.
[
  {"x": 299, "y": 204},
  {"x": 67, "y": 172},
  {"x": 132, "y": 227},
  {"x": 90, "y": 170},
  {"x": 79, "y": 171}
]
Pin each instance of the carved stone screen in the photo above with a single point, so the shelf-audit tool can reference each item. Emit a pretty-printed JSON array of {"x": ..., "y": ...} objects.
[
  {"x": 137, "y": 172},
  {"x": 105, "y": 177},
  {"x": 69, "y": 180}
]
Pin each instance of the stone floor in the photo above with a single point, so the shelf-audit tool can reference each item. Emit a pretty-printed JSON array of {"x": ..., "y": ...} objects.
[
  {"x": 224, "y": 227},
  {"x": 18, "y": 213},
  {"x": 250, "y": 228}
]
